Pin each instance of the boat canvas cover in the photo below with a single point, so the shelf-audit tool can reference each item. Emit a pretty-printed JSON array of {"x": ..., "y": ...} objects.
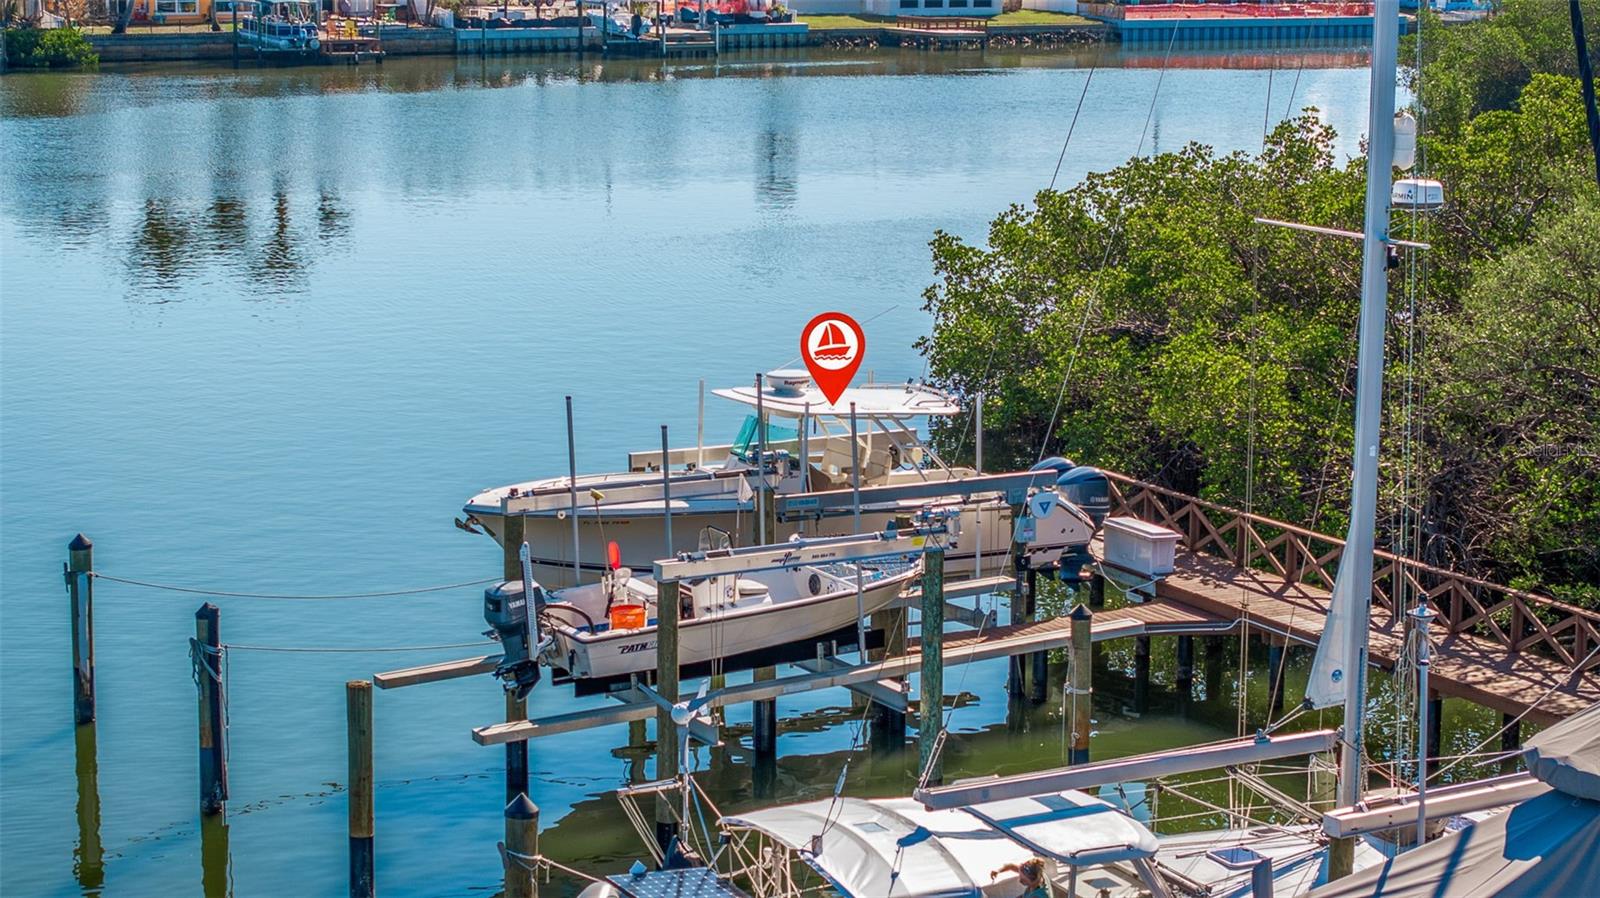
[
  {"x": 1071, "y": 827},
  {"x": 883, "y": 400},
  {"x": 896, "y": 847},
  {"x": 1545, "y": 846}
]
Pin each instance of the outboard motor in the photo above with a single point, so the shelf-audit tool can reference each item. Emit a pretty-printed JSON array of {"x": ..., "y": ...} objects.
[
  {"x": 506, "y": 610},
  {"x": 1054, "y": 463},
  {"x": 1054, "y": 532},
  {"x": 1088, "y": 489}
]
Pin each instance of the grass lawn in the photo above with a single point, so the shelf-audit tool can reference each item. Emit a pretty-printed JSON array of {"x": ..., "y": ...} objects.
[
  {"x": 827, "y": 22},
  {"x": 1020, "y": 17},
  {"x": 1039, "y": 17}
]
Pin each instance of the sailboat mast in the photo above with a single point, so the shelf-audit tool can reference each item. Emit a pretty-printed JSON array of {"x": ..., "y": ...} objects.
[{"x": 1355, "y": 565}]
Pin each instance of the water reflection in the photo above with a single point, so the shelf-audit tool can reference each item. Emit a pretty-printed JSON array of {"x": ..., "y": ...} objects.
[
  {"x": 216, "y": 859},
  {"x": 88, "y": 856},
  {"x": 175, "y": 242}
]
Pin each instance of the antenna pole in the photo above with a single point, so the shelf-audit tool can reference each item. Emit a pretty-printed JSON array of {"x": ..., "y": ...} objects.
[
  {"x": 572, "y": 494},
  {"x": 1355, "y": 566}
]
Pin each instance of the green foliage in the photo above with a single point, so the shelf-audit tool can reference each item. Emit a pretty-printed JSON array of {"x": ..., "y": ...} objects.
[
  {"x": 1185, "y": 344},
  {"x": 52, "y": 48},
  {"x": 1515, "y": 399},
  {"x": 1469, "y": 70}
]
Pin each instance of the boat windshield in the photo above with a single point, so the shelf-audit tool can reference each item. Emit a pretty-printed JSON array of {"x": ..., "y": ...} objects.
[{"x": 749, "y": 438}]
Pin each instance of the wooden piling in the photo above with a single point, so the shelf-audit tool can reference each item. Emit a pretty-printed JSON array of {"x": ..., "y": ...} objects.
[
  {"x": 1141, "y": 674},
  {"x": 1019, "y": 609},
  {"x": 930, "y": 717},
  {"x": 1038, "y": 662},
  {"x": 889, "y": 724},
  {"x": 206, "y": 652},
  {"x": 516, "y": 752},
  {"x": 1080, "y": 682},
  {"x": 522, "y": 844},
  {"x": 1215, "y": 647},
  {"x": 667, "y": 688},
  {"x": 1435, "y": 729},
  {"x": 1510, "y": 741},
  {"x": 80, "y": 587},
  {"x": 358, "y": 727},
  {"x": 1097, "y": 592},
  {"x": 764, "y": 718},
  {"x": 1275, "y": 668},
  {"x": 1185, "y": 677}
]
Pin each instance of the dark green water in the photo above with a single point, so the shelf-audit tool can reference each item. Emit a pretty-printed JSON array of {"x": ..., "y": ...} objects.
[{"x": 265, "y": 330}]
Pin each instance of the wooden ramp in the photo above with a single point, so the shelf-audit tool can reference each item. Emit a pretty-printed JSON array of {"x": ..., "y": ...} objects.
[{"x": 1465, "y": 666}]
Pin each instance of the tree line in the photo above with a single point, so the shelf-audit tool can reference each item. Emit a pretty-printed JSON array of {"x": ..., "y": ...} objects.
[{"x": 1143, "y": 322}]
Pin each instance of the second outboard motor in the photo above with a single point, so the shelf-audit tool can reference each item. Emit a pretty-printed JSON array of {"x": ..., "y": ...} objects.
[
  {"x": 1088, "y": 489},
  {"x": 507, "y": 611}
]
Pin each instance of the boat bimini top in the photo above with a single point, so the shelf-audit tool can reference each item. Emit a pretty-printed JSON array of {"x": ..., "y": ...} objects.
[
  {"x": 792, "y": 394},
  {"x": 872, "y": 848}
]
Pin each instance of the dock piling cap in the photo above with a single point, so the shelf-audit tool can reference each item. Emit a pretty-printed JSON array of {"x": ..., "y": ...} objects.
[
  {"x": 79, "y": 543},
  {"x": 1081, "y": 612},
  {"x": 522, "y": 808}
]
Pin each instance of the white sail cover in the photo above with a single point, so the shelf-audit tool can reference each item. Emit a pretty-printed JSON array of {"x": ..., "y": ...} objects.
[{"x": 1325, "y": 687}]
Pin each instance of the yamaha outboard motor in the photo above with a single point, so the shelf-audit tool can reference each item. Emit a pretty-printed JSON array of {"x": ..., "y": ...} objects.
[
  {"x": 506, "y": 610},
  {"x": 1054, "y": 463},
  {"x": 1088, "y": 489}
]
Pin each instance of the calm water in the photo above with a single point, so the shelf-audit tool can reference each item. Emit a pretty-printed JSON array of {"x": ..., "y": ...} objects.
[{"x": 265, "y": 331}]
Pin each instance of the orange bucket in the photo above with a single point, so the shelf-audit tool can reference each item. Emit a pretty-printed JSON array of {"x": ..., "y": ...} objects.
[{"x": 627, "y": 617}]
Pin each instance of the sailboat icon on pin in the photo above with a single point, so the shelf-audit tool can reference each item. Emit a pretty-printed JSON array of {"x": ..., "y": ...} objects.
[{"x": 832, "y": 345}]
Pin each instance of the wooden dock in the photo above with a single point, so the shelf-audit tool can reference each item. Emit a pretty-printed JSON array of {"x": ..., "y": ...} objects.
[
  {"x": 1497, "y": 646},
  {"x": 1463, "y": 666}
]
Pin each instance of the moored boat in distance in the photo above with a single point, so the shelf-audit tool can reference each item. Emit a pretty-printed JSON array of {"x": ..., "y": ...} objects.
[{"x": 279, "y": 26}]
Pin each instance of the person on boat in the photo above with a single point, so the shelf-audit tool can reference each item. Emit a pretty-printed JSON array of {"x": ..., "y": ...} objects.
[{"x": 1030, "y": 873}]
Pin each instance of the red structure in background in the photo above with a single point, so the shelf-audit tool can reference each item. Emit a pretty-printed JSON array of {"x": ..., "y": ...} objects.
[{"x": 1240, "y": 10}]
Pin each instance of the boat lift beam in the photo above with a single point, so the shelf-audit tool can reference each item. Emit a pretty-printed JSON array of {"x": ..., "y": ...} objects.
[
  {"x": 759, "y": 690},
  {"x": 831, "y": 503},
  {"x": 1443, "y": 801},
  {"x": 1138, "y": 767},
  {"x": 822, "y": 550},
  {"x": 887, "y": 693}
]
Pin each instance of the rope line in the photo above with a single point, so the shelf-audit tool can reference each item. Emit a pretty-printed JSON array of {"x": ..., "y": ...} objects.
[{"x": 265, "y": 595}]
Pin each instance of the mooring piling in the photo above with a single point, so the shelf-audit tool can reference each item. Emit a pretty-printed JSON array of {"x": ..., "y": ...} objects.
[
  {"x": 1184, "y": 682},
  {"x": 516, "y": 752},
  {"x": 1039, "y": 662},
  {"x": 522, "y": 845},
  {"x": 1019, "y": 567},
  {"x": 1080, "y": 683},
  {"x": 1435, "y": 730},
  {"x": 889, "y": 724},
  {"x": 1141, "y": 674},
  {"x": 1275, "y": 668},
  {"x": 1097, "y": 592},
  {"x": 358, "y": 726},
  {"x": 215, "y": 858},
  {"x": 206, "y": 655},
  {"x": 80, "y": 587},
  {"x": 1510, "y": 740},
  {"x": 930, "y": 716},
  {"x": 667, "y": 688},
  {"x": 1215, "y": 649}
]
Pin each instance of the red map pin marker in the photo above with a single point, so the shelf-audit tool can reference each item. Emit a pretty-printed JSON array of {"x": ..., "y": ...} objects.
[{"x": 832, "y": 346}]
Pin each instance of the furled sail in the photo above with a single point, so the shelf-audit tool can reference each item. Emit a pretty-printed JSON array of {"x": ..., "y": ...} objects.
[{"x": 1332, "y": 664}]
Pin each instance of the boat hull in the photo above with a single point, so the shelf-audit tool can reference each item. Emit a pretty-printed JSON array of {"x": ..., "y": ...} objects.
[
  {"x": 611, "y": 655},
  {"x": 642, "y": 538}
]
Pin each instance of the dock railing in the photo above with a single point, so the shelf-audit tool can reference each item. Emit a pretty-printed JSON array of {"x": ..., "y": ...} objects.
[{"x": 1515, "y": 619}]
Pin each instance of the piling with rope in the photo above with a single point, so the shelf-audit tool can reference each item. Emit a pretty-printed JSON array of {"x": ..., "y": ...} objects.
[
  {"x": 522, "y": 843},
  {"x": 205, "y": 652},
  {"x": 358, "y": 727},
  {"x": 931, "y": 714},
  {"x": 80, "y": 588}
]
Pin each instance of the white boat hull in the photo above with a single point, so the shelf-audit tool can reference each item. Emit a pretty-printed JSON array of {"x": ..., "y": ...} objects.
[
  {"x": 642, "y": 537},
  {"x": 739, "y": 631}
]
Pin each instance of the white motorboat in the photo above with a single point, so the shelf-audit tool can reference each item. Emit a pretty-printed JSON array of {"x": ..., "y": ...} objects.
[
  {"x": 607, "y": 630},
  {"x": 717, "y": 485},
  {"x": 283, "y": 26}
]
